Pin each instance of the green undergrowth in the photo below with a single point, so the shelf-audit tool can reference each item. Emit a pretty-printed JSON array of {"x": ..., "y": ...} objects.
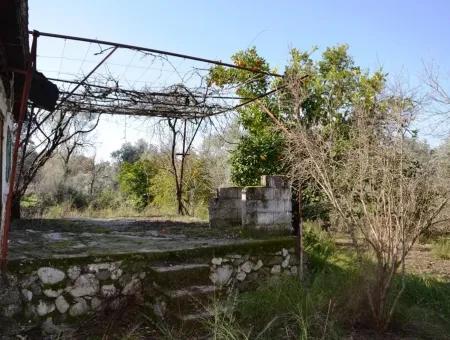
[{"x": 331, "y": 303}]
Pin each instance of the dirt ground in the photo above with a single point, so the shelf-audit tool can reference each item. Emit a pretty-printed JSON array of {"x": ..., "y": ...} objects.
[{"x": 421, "y": 260}]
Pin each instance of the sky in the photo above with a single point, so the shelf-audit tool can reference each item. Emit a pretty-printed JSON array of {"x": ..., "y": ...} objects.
[{"x": 398, "y": 35}]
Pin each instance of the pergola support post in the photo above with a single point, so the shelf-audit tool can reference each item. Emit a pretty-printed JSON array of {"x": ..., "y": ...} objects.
[{"x": 30, "y": 67}]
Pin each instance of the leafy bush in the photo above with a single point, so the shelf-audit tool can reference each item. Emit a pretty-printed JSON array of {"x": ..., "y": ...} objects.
[
  {"x": 71, "y": 197},
  {"x": 314, "y": 203},
  {"x": 318, "y": 245},
  {"x": 197, "y": 188},
  {"x": 106, "y": 199},
  {"x": 135, "y": 181},
  {"x": 164, "y": 194}
]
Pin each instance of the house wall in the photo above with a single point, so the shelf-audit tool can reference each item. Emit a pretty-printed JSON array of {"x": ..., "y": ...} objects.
[{"x": 5, "y": 112}]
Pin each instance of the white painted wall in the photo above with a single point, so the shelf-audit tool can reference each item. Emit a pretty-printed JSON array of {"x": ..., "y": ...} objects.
[{"x": 5, "y": 111}]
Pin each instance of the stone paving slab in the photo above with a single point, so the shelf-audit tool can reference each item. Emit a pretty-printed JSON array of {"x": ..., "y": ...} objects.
[{"x": 41, "y": 239}]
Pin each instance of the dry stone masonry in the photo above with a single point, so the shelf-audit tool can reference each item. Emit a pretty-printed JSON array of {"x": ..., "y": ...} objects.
[
  {"x": 243, "y": 270},
  {"x": 52, "y": 295},
  {"x": 267, "y": 206},
  {"x": 55, "y": 295}
]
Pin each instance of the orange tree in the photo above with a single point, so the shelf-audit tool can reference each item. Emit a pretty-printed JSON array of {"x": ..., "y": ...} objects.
[{"x": 328, "y": 87}]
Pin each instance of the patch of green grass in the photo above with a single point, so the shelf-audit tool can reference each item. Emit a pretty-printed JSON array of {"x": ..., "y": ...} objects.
[
  {"x": 290, "y": 308},
  {"x": 424, "y": 307},
  {"x": 441, "y": 248},
  {"x": 319, "y": 245},
  {"x": 332, "y": 304}
]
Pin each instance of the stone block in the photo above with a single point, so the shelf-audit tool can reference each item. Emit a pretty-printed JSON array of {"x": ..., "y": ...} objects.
[
  {"x": 86, "y": 284},
  {"x": 61, "y": 304},
  {"x": 44, "y": 308},
  {"x": 221, "y": 275},
  {"x": 73, "y": 272},
  {"x": 108, "y": 291},
  {"x": 276, "y": 269},
  {"x": 250, "y": 219},
  {"x": 96, "y": 303},
  {"x": 258, "y": 265},
  {"x": 241, "y": 276},
  {"x": 27, "y": 295},
  {"x": 255, "y": 193},
  {"x": 282, "y": 206},
  {"x": 50, "y": 276},
  {"x": 133, "y": 287},
  {"x": 230, "y": 192},
  {"x": 282, "y": 193},
  {"x": 269, "y": 206},
  {"x": 251, "y": 206},
  {"x": 229, "y": 204},
  {"x": 223, "y": 223},
  {"x": 79, "y": 308},
  {"x": 274, "y": 181},
  {"x": 282, "y": 218},
  {"x": 231, "y": 215},
  {"x": 52, "y": 293},
  {"x": 288, "y": 205},
  {"x": 247, "y": 267},
  {"x": 264, "y": 218}
]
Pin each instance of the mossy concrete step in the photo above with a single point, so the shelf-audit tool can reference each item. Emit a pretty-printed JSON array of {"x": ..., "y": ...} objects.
[
  {"x": 192, "y": 299},
  {"x": 195, "y": 324},
  {"x": 171, "y": 277},
  {"x": 199, "y": 317},
  {"x": 192, "y": 291},
  {"x": 170, "y": 268}
]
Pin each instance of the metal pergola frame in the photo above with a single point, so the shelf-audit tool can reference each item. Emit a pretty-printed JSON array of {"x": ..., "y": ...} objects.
[{"x": 28, "y": 76}]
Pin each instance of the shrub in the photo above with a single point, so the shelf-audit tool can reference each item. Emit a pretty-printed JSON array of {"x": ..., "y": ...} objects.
[
  {"x": 135, "y": 180},
  {"x": 318, "y": 245},
  {"x": 106, "y": 199}
]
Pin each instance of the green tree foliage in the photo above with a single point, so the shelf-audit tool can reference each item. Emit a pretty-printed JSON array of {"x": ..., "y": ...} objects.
[
  {"x": 135, "y": 181},
  {"x": 259, "y": 150},
  {"x": 131, "y": 153},
  {"x": 329, "y": 88},
  {"x": 256, "y": 155},
  {"x": 198, "y": 186},
  {"x": 197, "y": 182}
]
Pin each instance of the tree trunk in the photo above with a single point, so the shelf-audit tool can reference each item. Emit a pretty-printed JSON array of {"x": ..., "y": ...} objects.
[
  {"x": 180, "y": 202},
  {"x": 16, "y": 208}
]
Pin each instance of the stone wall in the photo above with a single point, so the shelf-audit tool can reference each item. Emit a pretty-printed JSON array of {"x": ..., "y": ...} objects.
[
  {"x": 267, "y": 206},
  {"x": 244, "y": 271},
  {"x": 56, "y": 294}
]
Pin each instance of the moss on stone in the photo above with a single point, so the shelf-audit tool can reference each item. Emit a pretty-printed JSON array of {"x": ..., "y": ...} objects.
[{"x": 131, "y": 260}]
